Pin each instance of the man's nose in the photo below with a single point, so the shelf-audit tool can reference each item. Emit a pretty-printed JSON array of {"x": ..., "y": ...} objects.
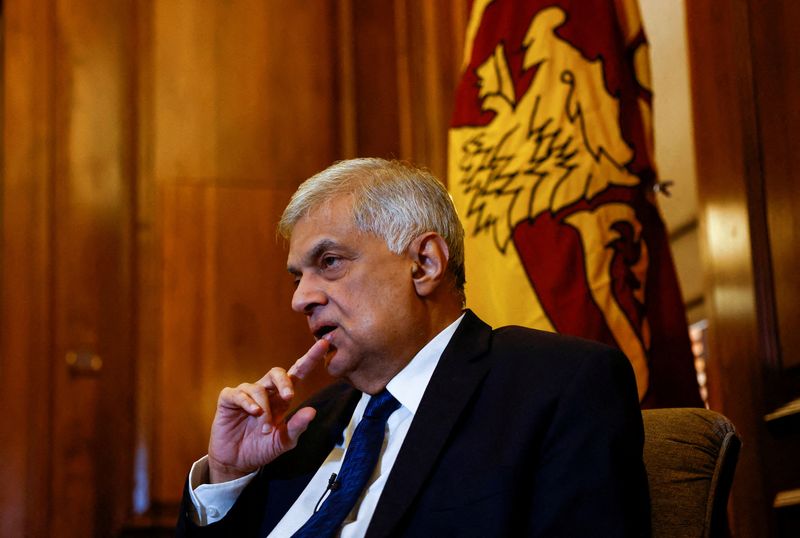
[{"x": 307, "y": 295}]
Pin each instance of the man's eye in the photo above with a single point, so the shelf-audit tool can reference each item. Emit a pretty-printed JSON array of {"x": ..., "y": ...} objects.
[{"x": 329, "y": 261}]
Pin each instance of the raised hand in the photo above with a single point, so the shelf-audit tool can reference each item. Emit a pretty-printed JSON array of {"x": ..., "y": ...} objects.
[{"x": 249, "y": 428}]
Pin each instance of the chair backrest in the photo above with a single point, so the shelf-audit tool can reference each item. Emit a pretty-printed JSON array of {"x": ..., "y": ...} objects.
[{"x": 690, "y": 456}]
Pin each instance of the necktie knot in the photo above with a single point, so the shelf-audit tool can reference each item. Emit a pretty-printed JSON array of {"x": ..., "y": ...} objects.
[{"x": 381, "y": 405}]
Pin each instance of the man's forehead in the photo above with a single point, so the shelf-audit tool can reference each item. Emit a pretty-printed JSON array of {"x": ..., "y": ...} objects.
[{"x": 318, "y": 217}]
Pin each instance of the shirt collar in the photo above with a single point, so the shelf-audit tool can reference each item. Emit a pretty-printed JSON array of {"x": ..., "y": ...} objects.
[{"x": 410, "y": 383}]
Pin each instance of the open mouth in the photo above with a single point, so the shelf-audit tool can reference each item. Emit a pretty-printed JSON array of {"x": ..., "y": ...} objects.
[{"x": 322, "y": 331}]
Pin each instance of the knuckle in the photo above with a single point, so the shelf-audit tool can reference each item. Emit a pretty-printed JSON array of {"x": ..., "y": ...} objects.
[
  {"x": 277, "y": 371},
  {"x": 226, "y": 394},
  {"x": 251, "y": 388}
]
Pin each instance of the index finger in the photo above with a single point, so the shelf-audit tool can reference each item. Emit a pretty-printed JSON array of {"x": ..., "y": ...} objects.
[{"x": 313, "y": 358}]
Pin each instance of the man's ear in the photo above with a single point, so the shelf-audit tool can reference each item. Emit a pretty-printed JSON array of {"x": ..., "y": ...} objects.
[{"x": 429, "y": 256}]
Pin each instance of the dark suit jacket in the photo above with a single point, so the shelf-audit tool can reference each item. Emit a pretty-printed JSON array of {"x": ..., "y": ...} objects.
[{"x": 519, "y": 433}]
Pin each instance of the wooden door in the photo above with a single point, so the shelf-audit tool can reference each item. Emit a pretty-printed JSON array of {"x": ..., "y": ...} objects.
[{"x": 67, "y": 342}]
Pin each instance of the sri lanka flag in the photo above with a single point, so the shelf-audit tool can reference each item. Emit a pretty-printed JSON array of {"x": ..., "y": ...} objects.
[{"x": 551, "y": 169}]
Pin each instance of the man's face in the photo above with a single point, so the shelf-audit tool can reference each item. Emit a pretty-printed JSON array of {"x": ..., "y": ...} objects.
[{"x": 356, "y": 293}]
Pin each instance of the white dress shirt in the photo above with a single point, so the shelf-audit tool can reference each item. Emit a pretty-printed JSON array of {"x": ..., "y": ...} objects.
[{"x": 212, "y": 501}]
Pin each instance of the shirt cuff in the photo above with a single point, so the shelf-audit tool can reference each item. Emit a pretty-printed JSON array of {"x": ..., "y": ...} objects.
[{"x": 212, "y": 501}]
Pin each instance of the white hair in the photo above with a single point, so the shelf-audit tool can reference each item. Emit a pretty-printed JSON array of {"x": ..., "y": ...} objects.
[{"x": 392, "y": 200}]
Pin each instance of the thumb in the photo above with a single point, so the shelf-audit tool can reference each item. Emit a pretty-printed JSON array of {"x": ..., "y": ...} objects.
[{"x": 298, "y": 424}]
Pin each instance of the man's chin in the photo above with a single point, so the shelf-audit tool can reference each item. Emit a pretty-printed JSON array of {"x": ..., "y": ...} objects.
[{"x": 335, "y": 363}]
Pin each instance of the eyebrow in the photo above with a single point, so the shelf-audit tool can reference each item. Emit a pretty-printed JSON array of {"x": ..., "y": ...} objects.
[{"x": 312, "y": 254}]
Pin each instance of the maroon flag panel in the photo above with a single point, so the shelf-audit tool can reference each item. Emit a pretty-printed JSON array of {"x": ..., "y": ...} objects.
[{"x": 552, "y": 172}]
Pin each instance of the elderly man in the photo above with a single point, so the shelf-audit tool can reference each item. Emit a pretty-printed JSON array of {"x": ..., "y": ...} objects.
[{"x": 440, "y": 426}]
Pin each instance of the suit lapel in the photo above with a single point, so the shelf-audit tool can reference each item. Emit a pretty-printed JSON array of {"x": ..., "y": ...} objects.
[{"x": 461, "y": 368}]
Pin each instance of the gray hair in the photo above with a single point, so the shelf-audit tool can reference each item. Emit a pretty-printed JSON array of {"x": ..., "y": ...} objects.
[{"x": 392, "y": 200}]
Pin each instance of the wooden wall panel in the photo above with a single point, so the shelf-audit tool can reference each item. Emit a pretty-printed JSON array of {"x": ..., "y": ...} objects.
[
  {"x": 777, "y": 87},
  {"x": 92, "y": 245},
  {"x": 433, "y": 38},
  {"x": 744, "y": 110},
  {"x": 147, "y": 268},
  {"x": 25, "y": 328},
  {"x": 275, "y": 75},
  {"x": 776, "y": 81},
  {"x": 257, "y": 80},
  {"x": 375, "y": 75},
  {"x": 184, "y": 89},
  {"x": 67, "y": 281},
  {"x": 404, "y": 64},
  {"x": 727, "y": 156},
  {"x": 181, "y": 423}
]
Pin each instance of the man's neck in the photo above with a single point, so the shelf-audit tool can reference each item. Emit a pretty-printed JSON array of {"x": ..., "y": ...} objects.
[{"x": 373, "y": 382}]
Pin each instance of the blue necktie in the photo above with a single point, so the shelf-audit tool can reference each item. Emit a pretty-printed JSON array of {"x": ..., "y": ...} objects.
[{"x": 359, "y": 462}]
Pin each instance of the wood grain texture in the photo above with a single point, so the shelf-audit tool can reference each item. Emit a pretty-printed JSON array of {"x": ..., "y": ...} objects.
[
  {"x": 26, "y": 257},
  {"x": 777, "y": 88},
  {"x": 742, "y": 163},
  {"x": 268, "y": 121},
  {"x": 92, "y": 267},
  {"x": 67, "y": 281},
  {"x": 727, "y": 149},
  {"x": 401, "y": 77},
  {"x": 154, "y": 147}
]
